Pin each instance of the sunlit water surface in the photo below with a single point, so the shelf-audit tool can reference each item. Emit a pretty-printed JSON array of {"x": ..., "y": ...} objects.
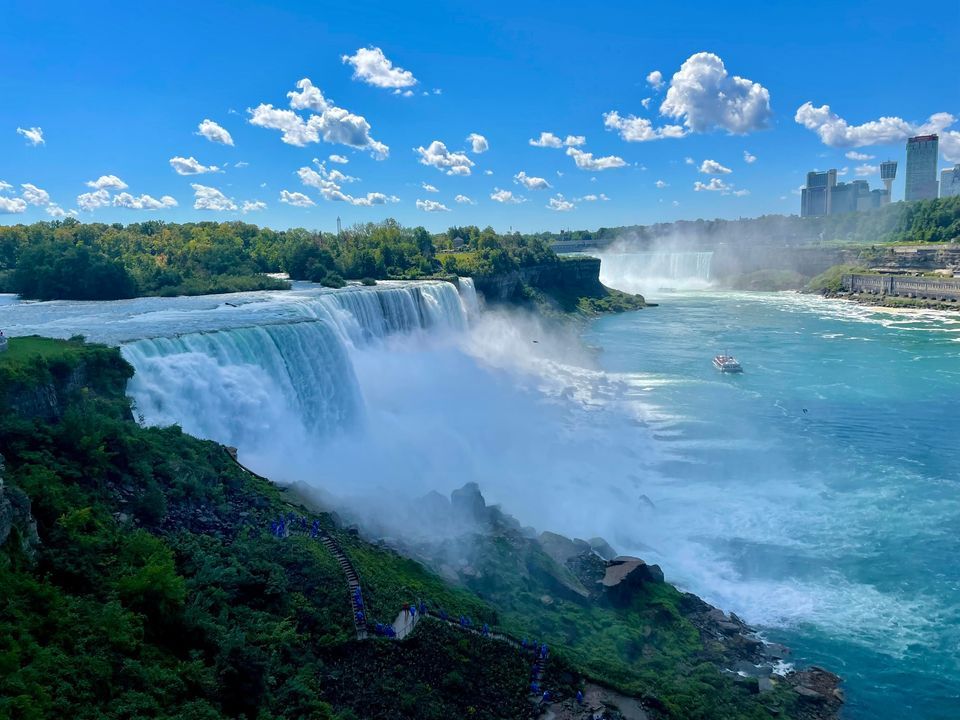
[{"x": 823, "y": 499}]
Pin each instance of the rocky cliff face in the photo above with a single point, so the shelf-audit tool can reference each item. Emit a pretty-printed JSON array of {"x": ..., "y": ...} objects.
[
  {"x": 568, "y": 274},
  {"x": 16, "y": 521},
  {"x": 45, "y": 401}
]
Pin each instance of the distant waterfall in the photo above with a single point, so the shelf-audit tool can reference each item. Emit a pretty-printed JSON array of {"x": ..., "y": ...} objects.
[{"x": 650, "y": 271}]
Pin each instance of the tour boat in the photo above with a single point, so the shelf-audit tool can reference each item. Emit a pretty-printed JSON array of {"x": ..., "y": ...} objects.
[{"x": 727, "y": 364}]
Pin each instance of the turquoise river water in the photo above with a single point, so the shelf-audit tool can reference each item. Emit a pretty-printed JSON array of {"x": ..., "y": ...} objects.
[{"x": 822, "y": 491}]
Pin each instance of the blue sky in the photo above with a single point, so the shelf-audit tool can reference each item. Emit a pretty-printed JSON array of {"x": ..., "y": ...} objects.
[{"x": 118, "y": 92}]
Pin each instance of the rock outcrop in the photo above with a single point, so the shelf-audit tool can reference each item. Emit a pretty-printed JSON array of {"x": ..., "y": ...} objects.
[
  {"x": 16, "y": 520},
  {"x": 625, "y": 576}
]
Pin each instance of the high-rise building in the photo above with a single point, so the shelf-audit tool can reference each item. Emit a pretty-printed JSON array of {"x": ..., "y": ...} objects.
[
  {"x": 815, "y": 197},
  {"x": 823, "y": 195},
  {"x": 888, "y": 171},
  {"x": 921, "y": 180},
  {"x": 950, "y": 182}
]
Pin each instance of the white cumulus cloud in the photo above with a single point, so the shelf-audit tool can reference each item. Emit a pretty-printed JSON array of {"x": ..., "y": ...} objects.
[
  {"x": 715, "y": 185},
  {"x": 214, "y": 133},
  {"x": 836, "y": 132},
  {"x": 209, "y": 198},
  {"x": 748, "y": 158},
  {"x": 706, "y": 97},
  {"x": 530, "y": 182},
  {"x": 11, "y": 205},
  {"x": 560, "y": 204},
  {"x": 854, "y": 155},
  {"x": 34, "y": 195},
  {"x": 144, "y": 202},
  {"x": 866, "y": 170},
  {"x": 328, "y": 183},
  {"x": 190, "y": 166},
  {"x": 950, "y": 145},
  {"x": 506, "y": 197},
  {"x": 34, "y": 135},
  {"x": 478, "y": 143},
  {"x": 297, "y": 199},
  {"x": 428, "y": 187},
  {"x": 712, "y": 167},
  {"x": 431, "y": 206},
  {"x": 586, "y": 161},
  {"x": 371, "y": 66},
  {"x": 655, "y": 79},
  {"x": 436, "y": 155},
  {"x": 464, "y": 200},
  {"x": 55, "y": 211},
  {"x": 253, "y": 206},
  {"x": 92, "y": 200},
  {"x": 637, "y": 129},
  {"x": 661, "y": 184},
  {"x": 342, "y": 159},
  {"x": 330, "y": 123},
  {"x": 105, "y": 182},
  {"x": 549, "y": 140}
]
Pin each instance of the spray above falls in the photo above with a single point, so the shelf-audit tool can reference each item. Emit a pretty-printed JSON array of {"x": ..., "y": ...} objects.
[{"x": 645, "y": 272}]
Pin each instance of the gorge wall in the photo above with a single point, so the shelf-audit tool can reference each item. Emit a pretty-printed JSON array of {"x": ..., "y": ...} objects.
[{"x": 581, "y": 274}]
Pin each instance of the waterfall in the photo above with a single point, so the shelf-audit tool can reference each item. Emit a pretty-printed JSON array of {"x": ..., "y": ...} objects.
[
  {"x": 468, "y": 297},
  {"x": 285, "y": 374},
  {"x": 247, "y": 387},
  {"x": 271, "y": 373},
  {"x": 650, "y": 271}
]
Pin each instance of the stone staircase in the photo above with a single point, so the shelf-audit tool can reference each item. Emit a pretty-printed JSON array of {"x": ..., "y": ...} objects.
[{"x": 357, "y": 607}]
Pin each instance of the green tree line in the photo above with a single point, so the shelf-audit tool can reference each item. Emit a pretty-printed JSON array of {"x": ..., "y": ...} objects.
[{"x": 94, "y": 261}]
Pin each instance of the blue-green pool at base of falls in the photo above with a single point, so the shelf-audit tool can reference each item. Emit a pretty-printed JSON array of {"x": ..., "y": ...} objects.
[{"x": 817, "y": 493}]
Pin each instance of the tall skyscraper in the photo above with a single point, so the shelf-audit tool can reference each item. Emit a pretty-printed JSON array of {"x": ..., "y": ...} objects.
[
  {"x": 921, "y": 178},
  {"x": 823, "y": 195},
  {"x": 950, "y": 182},
  {"x": 815, "y": 197},
  {"x": 888, "y": 171}
]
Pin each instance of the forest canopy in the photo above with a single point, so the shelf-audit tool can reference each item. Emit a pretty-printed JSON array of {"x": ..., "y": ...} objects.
[{"x": 93, "y": 261}]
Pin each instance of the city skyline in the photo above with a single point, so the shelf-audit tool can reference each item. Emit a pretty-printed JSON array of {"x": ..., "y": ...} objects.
[{"x": 526, "y": 123}]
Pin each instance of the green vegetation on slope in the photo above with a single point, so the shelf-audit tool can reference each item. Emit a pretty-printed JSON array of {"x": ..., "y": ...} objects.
[
  {"x": 830, "y": 280},
  {"x": 649, "y": 647},
  {"x": 156, "y": 589}
]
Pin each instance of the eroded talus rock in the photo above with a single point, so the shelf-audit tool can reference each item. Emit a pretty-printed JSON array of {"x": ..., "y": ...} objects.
[{"x": 626, "y": 575}]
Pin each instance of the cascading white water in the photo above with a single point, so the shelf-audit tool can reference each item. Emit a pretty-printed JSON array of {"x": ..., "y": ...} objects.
[
  {"x": 468, "y": 297},
  {"x": 650, "y": 271},
  {"x": 266, "y": 372},
  {"x": 248, "y": 387}
]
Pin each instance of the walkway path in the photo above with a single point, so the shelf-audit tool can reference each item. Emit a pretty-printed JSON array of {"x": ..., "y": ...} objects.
[{"x": 410, "y": 615}]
